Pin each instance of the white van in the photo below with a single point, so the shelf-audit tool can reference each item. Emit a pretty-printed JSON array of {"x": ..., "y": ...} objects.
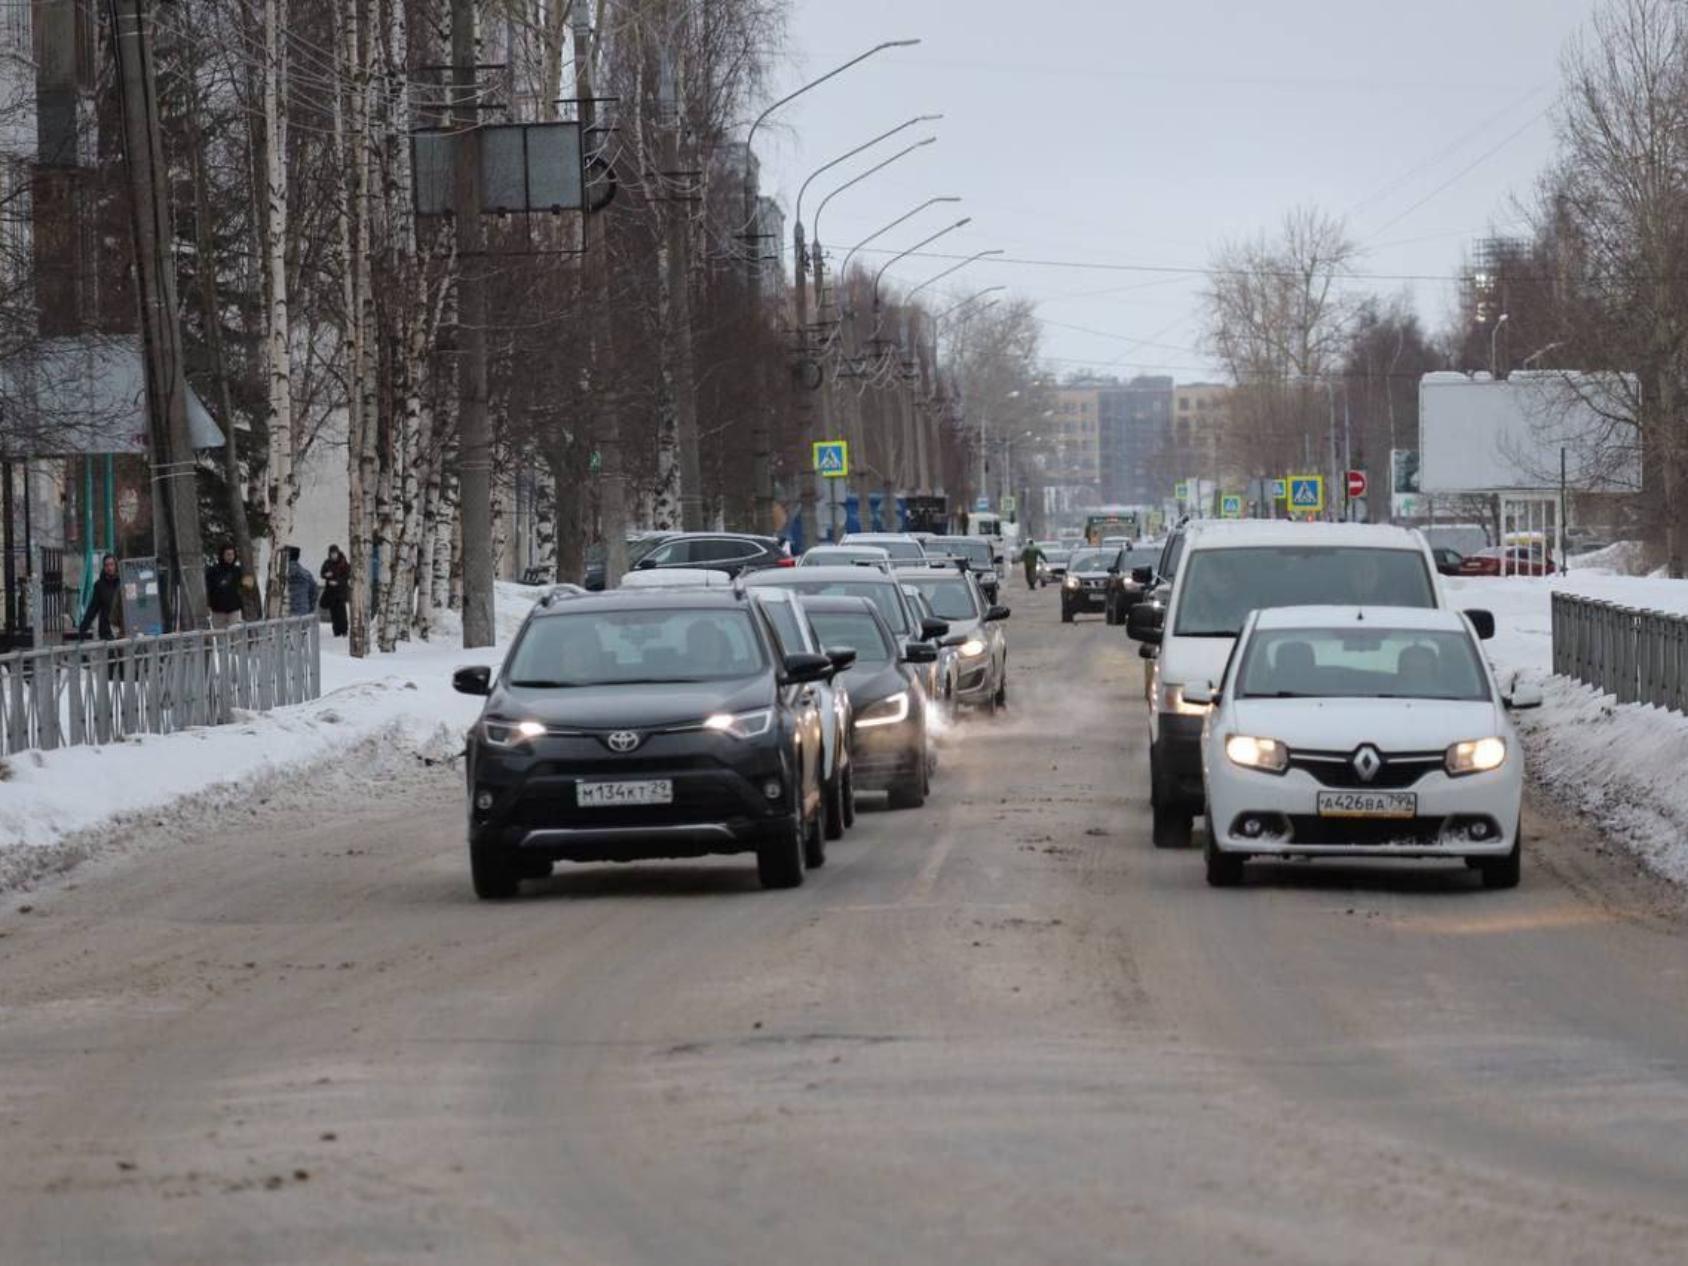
[{"x": 1229, "y": 569}]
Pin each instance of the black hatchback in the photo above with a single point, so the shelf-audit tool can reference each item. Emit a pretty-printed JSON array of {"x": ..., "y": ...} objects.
[{"x": 645, "y": 724}]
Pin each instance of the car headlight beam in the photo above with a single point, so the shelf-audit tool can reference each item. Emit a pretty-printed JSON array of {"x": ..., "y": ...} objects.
[
  {"x": 511, "y": 733},
  {"x": 1476, "y": 756},
  {"x": 887, "y": 711},
  {"x": 743, "y": 725},
  {"x": 1264, "y": 754},
  {"x": 972, "y": 648}
]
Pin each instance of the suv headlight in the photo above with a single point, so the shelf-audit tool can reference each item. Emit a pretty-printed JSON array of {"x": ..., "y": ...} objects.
[
  {"x": 1257, "y": 753},
  {"x": 1172, "y": 700},
  {"x": 510, "y": 733},
  {"x": 887, "y": 711},
  {"x": 1476, "y": 756},
  {"x": 972, "y": 648},
  {"x": 744, "y": 725},
  {"x": 1071, "y": 582}
]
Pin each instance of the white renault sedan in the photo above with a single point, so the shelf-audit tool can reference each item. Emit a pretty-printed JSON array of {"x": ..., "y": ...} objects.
[{"x": 1361, "y": 732}]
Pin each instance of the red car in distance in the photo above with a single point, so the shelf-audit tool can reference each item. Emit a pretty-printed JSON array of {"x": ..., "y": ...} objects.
[{"x": 1519, "y": 560}]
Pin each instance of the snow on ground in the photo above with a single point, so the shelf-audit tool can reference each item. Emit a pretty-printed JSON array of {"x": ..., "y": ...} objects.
[
  {"x": 394, "y": 711},
  {"x": 1621, "y": 764}
]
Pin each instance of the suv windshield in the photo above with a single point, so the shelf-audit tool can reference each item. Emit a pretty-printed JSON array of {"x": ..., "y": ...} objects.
[
  {"x": 883, "y": 594},
  {"x": 951, "y": 597},
  {"x": 977, "y": 553},
  {"x": 857, "y": 630},
  {"x": 1093, "y": 560},
  {"x": 612, "y": 648},
  {"x": 896, "y": 547},
  {"x": 1221, "y": 586},
  {"x": 1361, "y": 662}
]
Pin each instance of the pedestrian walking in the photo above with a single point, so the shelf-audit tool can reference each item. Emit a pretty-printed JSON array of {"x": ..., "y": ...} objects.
[
  {"x": 225, "y": 583},
  {"x": 1031, "y": 556},
  {"x": 336, "y": 588},
  {"x": 105, "y": 604},
  {"x": 301, "y": 586}
]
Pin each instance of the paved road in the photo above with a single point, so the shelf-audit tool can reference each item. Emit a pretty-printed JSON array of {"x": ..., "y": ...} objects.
[{"x": 1001, "y": 1030}]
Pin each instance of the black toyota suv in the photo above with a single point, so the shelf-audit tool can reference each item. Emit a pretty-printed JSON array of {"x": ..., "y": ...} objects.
[{"x": 642, "y": 724}]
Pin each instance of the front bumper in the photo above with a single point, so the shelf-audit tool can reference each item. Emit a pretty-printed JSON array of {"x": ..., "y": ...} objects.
[
  {"x": 1085, "y": 598},
  {"x": 974, "y": 681},
  {"x": 720, "y": 801},
  {"x": 882, "y": 756},
  {"x": 1475, "y": 816}
]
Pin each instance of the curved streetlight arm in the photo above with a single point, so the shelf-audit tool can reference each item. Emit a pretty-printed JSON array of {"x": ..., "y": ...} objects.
[
  {"x": 844, "y": 158},
  {"x": 879, "y": 276},
  {"x": 973, "y": 298},
  {"x": 856, "y": 180},
  {"x": 815, "y": 83},
  {"x": 901, "y": 219},
  {"x": 954, "y": 268}
]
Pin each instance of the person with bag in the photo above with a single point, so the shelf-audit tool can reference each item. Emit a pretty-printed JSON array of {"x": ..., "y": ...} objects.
[
  {"x": 105, "y": 603},
  {"x": 224, "y": 581},
  {"x": 336, "y": 589}
]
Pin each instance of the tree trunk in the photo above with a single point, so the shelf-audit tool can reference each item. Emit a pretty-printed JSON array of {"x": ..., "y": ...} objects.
[{"x": 283, "y": 478}]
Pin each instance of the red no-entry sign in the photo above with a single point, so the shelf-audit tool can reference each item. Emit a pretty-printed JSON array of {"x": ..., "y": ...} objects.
[{"x": 1356, "y": 484}]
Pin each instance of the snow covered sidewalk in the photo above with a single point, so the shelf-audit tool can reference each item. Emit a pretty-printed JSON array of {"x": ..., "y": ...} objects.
[
  {"x": 1624, "y": 765},
  {"x": 399, "y": 704}
]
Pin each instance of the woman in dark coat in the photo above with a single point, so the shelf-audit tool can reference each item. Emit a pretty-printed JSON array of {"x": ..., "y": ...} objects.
[
  {"x": 336, "y": 588},
  {"x": 105, "y": 603}
]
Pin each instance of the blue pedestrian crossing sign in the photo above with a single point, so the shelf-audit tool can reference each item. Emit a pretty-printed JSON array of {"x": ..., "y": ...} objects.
[
  {"x": 1181, "y": 490},
  {"x": 832, "y": 458},
  {"x": 1230, "y": 506},
  {"x": 1280, "y": 489},
  {"x": 1306, "y": 494}
]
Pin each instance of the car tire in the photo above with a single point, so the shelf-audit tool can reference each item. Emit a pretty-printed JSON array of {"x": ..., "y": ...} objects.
[
  {"x": 493, "y": 872},
  {"x": 909, "y": 792},
  {"x": 1001, "y": 698},
  {"x": 832, "y": 808},
  {"x": 1066, "y": 614},
  {"x": 779, "y": 859},
  {"x": 1224, "y": 870},
  {"x": 1174, "y": 826},
  {"x": 848, "y": 797},
  {"x": 1504, "y": 872},
  {"x": 1110, "y": 616},
  {"x": 814, "y": 841}
]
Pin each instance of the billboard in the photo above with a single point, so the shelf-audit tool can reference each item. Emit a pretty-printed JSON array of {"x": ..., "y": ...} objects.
[{"x": 1481, "y": 435}]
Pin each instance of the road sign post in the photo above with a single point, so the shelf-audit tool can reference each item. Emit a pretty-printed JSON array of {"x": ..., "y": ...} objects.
[
  {"x": 832, "y": 458},
  {"x": 1306, "y": 494},
  {"x": 1181, "y": 491},
  {"x": 1231, "y": 506}
]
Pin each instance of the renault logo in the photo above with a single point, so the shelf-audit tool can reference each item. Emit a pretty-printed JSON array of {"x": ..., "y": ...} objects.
[
  {"x": 1367, "y": 762},
  {"x": 623, "y": 741}
]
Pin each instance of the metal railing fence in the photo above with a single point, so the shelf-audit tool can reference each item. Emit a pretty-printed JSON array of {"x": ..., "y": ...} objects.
[
  {"x": 92, "y": 693},
  {"x": 1634, "y": 655}
]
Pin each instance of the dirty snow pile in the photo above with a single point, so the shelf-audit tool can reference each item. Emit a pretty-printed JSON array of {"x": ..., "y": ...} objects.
[
  {"x": 1621, "y": 764},
  {"x": 397, "y": 710}
]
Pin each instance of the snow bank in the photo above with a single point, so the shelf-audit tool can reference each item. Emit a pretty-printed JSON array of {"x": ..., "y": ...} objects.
[
  {"x": 1624, "y": 558},
  {"x": 1621, "y": 764},
  {"x": 399, "y": 704}
]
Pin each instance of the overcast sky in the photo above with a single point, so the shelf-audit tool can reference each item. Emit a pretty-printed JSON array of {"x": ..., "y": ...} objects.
[{"x": 1125, "y": 132}]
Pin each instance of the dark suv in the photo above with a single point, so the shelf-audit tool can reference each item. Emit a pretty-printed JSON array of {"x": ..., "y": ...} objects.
[
  {"x": 729, "y": 552},
  {"x": 642, "y": 724}
]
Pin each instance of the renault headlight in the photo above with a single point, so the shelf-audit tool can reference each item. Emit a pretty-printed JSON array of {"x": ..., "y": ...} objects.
[
  {"x": 1257, "y": 753},
  {"x": 887, "y": 711},
  {"x": 1172, "y": 700},
  {"x": 1476, "y": 756},
  {"x": 972, "y": 648},
  {"x": 744, "y": 725},
  {"x": 510, "y": 733}
]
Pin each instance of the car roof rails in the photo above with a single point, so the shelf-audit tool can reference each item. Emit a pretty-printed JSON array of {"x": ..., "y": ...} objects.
[{"x": 565, "y": 590}]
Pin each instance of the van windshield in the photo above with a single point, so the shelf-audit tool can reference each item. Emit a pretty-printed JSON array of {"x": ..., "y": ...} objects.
[{"x": 1221, "y": 586}]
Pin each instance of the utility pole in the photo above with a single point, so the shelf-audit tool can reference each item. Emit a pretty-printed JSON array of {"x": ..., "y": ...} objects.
[
  {"x": 175, "y": 499},
  {"x": 474, "y": 426},
  {"x": 606, "y": 434},
  {"x": 761, "y": 458},
  {"x": 805, "y": 390},
  {"x": 677, "y": 244}
]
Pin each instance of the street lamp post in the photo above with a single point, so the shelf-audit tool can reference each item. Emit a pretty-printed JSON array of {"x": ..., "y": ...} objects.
[{"x": 1494, "y": 345}]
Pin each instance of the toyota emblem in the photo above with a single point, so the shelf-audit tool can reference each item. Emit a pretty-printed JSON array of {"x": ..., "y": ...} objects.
[
  {"x": 1367, "y": 762},
  {"x": 623, "y": 741}
]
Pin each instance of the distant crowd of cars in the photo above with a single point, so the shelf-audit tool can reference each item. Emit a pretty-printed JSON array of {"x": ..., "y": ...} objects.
[{"x": 728, "y": 698}]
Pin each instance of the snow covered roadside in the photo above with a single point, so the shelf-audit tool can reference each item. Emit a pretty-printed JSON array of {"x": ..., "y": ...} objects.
[
  {"x": 395, "y": 710},
  {"x": 1621, "y": 764}
]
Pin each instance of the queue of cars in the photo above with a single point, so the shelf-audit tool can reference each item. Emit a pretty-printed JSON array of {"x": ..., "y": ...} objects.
[{"x": 734, "y": 708}]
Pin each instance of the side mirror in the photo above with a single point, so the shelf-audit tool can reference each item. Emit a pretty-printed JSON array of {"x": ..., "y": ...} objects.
[
  {"x": 472, "y": 681},
  {"x": 645, "y": 564},
  {"x": 1199, "y": 692},
  {"x": 842, "y": 657},
  {"x": 1144, "y": 622},
  {"x": 997, "y": 559},
  {"x": 931, "y": 630},
  {"x": 1113, "y": 571},
  {"x": 1146, "y": 651},
  {"x": 1144, "y": 576},
  {"x": 805, "y": 668},
  {"x": 997, "y": 613},
  {"x": 1483, "y": 622},
  {"x": 920, "y": 653},
  {"x": 1522, "y": 698}
]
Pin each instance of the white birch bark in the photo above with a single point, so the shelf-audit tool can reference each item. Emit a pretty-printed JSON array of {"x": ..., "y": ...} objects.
[{"x": 283, "y": 481}]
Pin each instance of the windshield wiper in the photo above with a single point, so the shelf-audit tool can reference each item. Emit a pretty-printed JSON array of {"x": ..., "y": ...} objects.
[
  {"x": 1208, "y": 633},
  {"x": 537, "y": 684}
]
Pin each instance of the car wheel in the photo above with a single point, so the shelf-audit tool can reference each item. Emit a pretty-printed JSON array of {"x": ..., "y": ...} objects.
[
  {"x": 848, "y": 797},
  {"x": 909, "y": 792},
  {"x": 1504, "y": 872},
  {"x": 1173, "y": 826},
  {"x": 779, "y": 860},
  {"x": 493, "y": 872},
  {"x": 814, "y": 841},
  {"x": 832, "y": 810},
  {"x": 1002, "y": 688},
  {"x": 1224, "y": 870},
  {"x": 1066, "y": 614}
]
